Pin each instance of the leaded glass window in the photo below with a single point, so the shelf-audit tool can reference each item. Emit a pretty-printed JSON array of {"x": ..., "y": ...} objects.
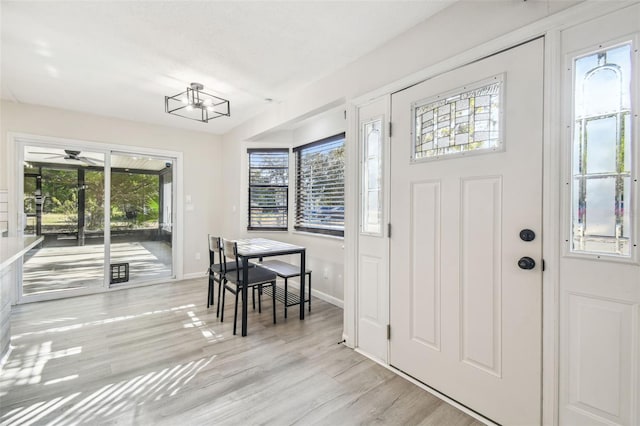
[
  {"x": 601, "y": 163},
  {"x": 467, "y": 119},
  {"x": 371, "y": 134}
]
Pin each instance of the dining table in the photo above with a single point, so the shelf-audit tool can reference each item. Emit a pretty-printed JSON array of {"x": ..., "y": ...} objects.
[{"x": 258, "y": 248}]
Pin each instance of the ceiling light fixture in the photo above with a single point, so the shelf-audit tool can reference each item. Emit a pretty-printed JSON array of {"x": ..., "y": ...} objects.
[{"x": 197, "y": 105}]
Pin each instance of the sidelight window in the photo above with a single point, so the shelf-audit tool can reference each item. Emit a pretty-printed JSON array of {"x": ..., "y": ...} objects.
[
  {"x": 371, "y": 134},
  {"x": 601, "y": 158}
]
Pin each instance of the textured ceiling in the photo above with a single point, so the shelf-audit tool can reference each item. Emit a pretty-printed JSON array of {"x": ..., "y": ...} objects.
[{"x": 119, "y": 58}]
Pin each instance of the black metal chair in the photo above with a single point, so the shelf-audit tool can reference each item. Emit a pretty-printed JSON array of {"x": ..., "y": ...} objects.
[
  {"x": 232, "y": 278},
  {"x": 216, "y": 270}
]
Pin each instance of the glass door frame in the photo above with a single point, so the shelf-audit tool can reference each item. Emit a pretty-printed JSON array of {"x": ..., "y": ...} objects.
[
  {"x": 17, "y": 144},
  {"x": 174, "y": 240}
]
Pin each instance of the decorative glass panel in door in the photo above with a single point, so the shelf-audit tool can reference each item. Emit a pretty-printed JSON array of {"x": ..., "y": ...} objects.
[
  {"x": 63, "y": 202},
  {"x": 601, "y": 152},
  {"x": 141, "y": 218},
  {"x": 371, "y": 179}
]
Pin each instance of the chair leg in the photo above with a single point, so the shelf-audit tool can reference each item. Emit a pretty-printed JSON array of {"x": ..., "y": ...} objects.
[
  {"x": 259, "y": 299},
  {"x": 309, "y": 275},
  {"x": 235, "y": 313},
  {"x": 286, "y": 294},
  {"x": 273, "y": 299},
  {"x": 220, "y": 284},
  {"x": 209, "y": 292},
  {"x": 213, "y": 289},
  {"x": 253, "y": 297},
  {"x": 224, "y": 291}
]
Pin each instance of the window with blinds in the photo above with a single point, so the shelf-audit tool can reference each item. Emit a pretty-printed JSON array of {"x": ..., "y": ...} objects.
[
  {"x": 320, "y": 186},
  {"x": 268, "y": 189}
]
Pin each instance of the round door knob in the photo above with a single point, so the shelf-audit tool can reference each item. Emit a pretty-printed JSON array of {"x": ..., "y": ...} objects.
[
  {"x": 527, "y": 235},
  {"x": 526, "y": 263}
]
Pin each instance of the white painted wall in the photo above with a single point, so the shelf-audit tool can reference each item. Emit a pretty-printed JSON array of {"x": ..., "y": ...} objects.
[
  {"x": 455, "y": 30},
  {"x": 202, "y": 156},
  {"x": 463, "y": 26},
  {"x": 324, "y": 253}
]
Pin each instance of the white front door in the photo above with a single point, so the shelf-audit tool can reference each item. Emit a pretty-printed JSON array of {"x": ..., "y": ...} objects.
[
  {"x": 599, "y": 269},
  {"x": 373, "y": 242},
  {"x": 466, "y": 179}
]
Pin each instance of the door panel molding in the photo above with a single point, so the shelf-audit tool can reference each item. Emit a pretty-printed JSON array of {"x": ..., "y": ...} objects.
[
  {"x": 480, "y": 254},
  {"x": 425, "y": 263},
  {"x": 490, "y": 310}
]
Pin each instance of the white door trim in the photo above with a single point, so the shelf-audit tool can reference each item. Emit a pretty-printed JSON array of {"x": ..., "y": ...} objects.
[
  {"x": 549, "y": 27},
  {"x": 377, "y": 242},
  {"x": 551, "y": 161}
]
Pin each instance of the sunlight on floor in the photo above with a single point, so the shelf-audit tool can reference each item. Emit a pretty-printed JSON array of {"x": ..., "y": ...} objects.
[
  {"x": 207, "y": 332},
  {"x": 28, "y": 371},
  {"x": 109, "y": 399},
  {"x": 62, "y": 268},
  {"x": 98, "y": 322}
]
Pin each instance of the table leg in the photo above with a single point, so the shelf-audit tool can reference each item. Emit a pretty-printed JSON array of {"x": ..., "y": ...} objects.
[
  {"x": 245, "y": 294},
  {"x": 302, "y": 284}
]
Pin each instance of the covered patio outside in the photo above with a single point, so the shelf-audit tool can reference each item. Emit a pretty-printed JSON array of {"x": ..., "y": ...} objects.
[{"x": 64, "y": 201}]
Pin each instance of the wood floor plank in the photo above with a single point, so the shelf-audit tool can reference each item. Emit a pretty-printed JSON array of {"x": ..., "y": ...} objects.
[{"x": 156, "y": 355}]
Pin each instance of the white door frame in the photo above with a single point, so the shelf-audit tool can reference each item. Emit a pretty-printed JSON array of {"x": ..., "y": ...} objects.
[
  {"x": 379, "y": 240},
  {"x": 550, "y": 28},
  {"x": 14, "y": 175}
]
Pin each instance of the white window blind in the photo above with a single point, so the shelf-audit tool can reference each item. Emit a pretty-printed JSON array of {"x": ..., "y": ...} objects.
[
  {"x": 320, "y": 186},
  {"x": 268, "y": 189}
]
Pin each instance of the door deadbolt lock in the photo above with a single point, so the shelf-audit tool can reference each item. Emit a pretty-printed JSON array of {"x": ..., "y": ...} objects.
[
  {"x": 526, "y": 263},
  {"x": 527, "y": 235}
]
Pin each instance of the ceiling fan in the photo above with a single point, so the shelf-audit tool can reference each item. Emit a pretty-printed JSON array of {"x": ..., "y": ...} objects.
[{"x": 71, "y": 154}]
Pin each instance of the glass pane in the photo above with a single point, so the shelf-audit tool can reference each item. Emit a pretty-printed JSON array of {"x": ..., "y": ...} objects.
[
  {"x": 601, "y": 163},
  {"x": 602, "y": 92},
  {"x": 141, "y": 218},
  {"x": 268, "y": 188},
  {"x": 320, "y": 186},
  {"x": 463, "y": 119},
  {"x": 626, "y": 134},
  {"x": 372, "y": 175},
  {"x": 63, "y": 202},
  {"x": 601, "y": 142},
  {"x": 600, "y": 207}
]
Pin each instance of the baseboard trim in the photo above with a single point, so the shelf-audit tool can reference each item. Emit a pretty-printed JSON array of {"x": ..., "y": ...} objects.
[
  {"x": 193, "y": 275},
  {"x": 294, "y": 284},
  {"x": 327, "y": 298},
  {"x": 319, "y": 294},
  {"x": 432, "y": 391}
]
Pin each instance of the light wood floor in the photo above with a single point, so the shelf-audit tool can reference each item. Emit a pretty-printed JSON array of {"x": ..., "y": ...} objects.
[
  {"x": 156, "y": 355},
  {"x": 54, "y": 269}
]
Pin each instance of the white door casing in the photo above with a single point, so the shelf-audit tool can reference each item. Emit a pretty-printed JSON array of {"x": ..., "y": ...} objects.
[
  {"x": 373, "y": 241},
  {"x": 599, "y": 293},
  {"x": 465, "y": 319}
]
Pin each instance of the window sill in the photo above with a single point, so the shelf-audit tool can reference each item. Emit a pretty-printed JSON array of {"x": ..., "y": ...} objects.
[{"x": 313, "y": 234}]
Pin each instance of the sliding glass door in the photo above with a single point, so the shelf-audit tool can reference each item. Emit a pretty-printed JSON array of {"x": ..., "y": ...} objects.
[
  {"x": 141, "y": 221},
  {"x": 106, "y": 219},
  {"x": 63, "y": 203}
]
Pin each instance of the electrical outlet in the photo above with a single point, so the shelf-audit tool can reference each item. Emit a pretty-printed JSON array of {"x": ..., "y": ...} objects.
[{"x": 198, "y": 256}]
